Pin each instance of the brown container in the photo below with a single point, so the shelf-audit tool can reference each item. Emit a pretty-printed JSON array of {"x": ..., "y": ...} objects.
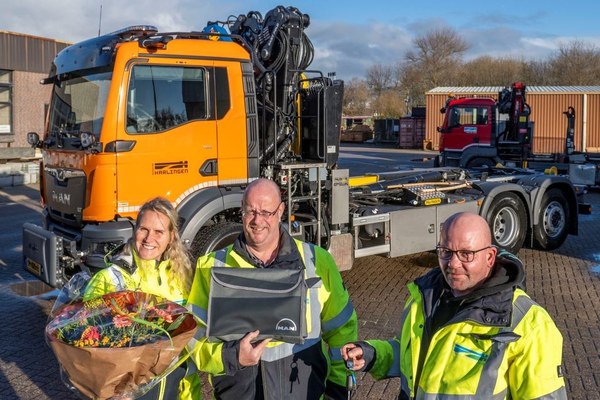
[{"x": 412, "y": 132}]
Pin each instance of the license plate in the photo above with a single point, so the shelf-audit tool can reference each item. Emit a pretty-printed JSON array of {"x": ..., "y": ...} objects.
[{"x": 34, "y": 267}]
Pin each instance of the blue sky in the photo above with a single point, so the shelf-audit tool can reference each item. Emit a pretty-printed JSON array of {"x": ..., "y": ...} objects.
[{"x": 348, "y": 36}]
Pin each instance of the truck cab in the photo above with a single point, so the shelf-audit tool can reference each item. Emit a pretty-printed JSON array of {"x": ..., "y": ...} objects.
[{"x": 484, "y": 131}]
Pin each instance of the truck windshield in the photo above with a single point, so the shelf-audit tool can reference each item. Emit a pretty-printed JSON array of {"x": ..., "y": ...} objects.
[{"x": 77, "y": 105}]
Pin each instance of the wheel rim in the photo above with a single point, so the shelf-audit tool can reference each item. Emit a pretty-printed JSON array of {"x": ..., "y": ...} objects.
[
  {"x": 506, "y": 227},
  {"x": 554, "y": 219}
]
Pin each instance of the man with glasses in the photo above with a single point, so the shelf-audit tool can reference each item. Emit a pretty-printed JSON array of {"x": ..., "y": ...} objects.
[
  {"x": 269, "y": 369},
  {"x": 468, "y": 329}
]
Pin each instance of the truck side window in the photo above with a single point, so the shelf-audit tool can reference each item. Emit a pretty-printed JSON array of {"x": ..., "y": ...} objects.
[
  {"x": 482, "y": 116},
  {"x": 163, "y": 97}
]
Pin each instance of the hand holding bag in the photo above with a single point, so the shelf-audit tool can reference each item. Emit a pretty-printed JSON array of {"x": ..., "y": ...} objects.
[{"x": 246, "y": 299}]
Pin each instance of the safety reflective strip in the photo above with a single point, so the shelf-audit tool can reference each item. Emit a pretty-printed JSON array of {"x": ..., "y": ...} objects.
[
  {"x": 436, "y": 396},
  {"x": 489, "y": 374},
  {"x": 308, "y": 251},
  {"x": 200, "y": 312},
  {"x": 117, "y": 279},
  {"x": 220, "y": 257},
  {"x": 335, "y": 354},
  {"x": 404, "y": 387},
  {"x": 201, "y": 331},
  {"x": 340, "y": 319},
  {"x": 558, "y": 394},
  {"x": 395, "y": 367},
  {"x": 125, "y": 207},
  {"x": 394, "y": 370}
]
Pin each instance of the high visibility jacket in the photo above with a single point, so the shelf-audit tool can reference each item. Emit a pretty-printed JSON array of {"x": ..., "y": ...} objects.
[
  {"x": 150, "y": 276},
  {"x": 500, "y": 346},
  {"x": 287, "y": 371}
]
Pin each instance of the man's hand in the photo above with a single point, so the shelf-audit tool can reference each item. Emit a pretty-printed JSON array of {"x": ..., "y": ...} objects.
[
  {"x": 250, "y": 353},
  {"x": 354, "y": 353}
]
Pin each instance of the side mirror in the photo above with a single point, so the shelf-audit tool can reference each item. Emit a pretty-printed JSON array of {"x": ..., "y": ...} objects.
[{"x": 33, "y": 139}]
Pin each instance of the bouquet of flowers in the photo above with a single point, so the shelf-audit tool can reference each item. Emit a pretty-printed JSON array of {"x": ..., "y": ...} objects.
[{"x": 119, "y": 344}]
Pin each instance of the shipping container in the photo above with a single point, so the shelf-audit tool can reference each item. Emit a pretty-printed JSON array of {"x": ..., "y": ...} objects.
[
  {"x": 386, "y": 130},
  {"x": 412, "y": 132}
]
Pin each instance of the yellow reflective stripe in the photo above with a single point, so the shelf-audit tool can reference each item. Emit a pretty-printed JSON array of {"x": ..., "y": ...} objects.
[{"x": 308, "y": 257}]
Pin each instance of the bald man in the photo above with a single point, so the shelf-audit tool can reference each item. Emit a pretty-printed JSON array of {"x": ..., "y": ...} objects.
[
  {"x": 468, "y": 329},
  {"x": 269, "y": 369}
]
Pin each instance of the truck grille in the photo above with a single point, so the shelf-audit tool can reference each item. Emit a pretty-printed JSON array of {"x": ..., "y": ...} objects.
[{"x": 65, "y": 194}]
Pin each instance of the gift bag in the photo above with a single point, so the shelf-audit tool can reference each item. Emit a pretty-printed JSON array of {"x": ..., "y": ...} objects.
[{"x": 246, "y": 299}]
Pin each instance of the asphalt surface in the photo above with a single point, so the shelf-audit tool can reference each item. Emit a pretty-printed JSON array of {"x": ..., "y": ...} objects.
[{"x": 565, "y": 281}]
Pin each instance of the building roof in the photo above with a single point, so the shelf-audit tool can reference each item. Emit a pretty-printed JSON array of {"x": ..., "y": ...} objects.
[{"x": 530, "y": 89}]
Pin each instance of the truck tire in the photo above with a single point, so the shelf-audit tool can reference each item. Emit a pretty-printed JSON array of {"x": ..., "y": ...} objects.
[
  {"x": 480, "y": 162},
  {"x": 552, "y": 229},
  {"x": 508, "y": 222},
  {"x": 214, "y": 237}
]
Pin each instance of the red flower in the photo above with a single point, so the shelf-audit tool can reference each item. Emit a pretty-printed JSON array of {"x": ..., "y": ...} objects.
[
  {"x": 121, "y": 321},
  {"x": 90, "y": 333}
]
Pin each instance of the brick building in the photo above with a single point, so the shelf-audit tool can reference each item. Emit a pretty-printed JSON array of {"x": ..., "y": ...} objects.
[{"x": 24, "y": 61}]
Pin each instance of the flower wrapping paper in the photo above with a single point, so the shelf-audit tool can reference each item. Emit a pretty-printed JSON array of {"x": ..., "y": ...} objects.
[{"x": 105, "y": 354}]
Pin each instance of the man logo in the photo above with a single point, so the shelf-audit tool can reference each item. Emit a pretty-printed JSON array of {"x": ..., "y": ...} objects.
[{"x": 286, "y": 324}]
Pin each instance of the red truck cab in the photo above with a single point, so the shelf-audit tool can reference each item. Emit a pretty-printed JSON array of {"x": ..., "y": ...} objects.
[{"x": 482, "y": 131}]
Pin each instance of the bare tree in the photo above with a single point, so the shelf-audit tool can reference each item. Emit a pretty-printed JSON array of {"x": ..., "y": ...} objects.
[
  {"x": 435, "y": 61},
  {"x": 489, "y": 71},
  {"x": 357, "y": 98},
  {"x": 576, "y": 63},
  {"x": 389, "y": 105},
  {"x": 380, "y": 78},
  {"x": 438, "y": 54}
]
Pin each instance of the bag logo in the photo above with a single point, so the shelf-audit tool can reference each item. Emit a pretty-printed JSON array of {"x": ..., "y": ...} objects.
[{"x": 286, "y": 324}]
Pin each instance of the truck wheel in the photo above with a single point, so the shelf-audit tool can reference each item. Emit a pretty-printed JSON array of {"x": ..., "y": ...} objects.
[
  {"x": 480, "y": 162},
  {"x": 214, "y": 237},
  {"x": 551, "y": 230},
  {"x": 508, "y": 222}
]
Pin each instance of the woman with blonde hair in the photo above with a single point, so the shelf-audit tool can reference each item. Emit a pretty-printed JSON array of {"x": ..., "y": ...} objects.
[{"x": 154, "y": 261}]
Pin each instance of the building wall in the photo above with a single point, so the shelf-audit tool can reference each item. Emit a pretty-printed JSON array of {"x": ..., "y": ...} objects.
[
  {"x": 29, "y": 58},
  {"x": 29, "y": 102},
  {"x": 547, "y": 113}
]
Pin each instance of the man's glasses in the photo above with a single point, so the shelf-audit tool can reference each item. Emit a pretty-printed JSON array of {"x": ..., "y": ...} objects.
[
  {"x": 445, "y": 253},
  {"x": 263, "y": 214}
]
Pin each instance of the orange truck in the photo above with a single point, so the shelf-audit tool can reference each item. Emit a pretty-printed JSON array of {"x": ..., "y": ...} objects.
[{"x": 196, "y": 116}]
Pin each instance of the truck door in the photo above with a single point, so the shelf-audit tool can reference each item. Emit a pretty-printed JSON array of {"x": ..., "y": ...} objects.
[
  {"x": 467, "y": 126},
  {"x": 170, "y": 133}
]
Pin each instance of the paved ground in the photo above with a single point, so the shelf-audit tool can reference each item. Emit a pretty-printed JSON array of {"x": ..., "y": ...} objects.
[{"x": 566, "y": 282}]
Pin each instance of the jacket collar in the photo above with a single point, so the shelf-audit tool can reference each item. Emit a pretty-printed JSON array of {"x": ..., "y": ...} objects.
[
  {"x": 490, "y": 304},
  {"x": 288, "y": 256}
]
